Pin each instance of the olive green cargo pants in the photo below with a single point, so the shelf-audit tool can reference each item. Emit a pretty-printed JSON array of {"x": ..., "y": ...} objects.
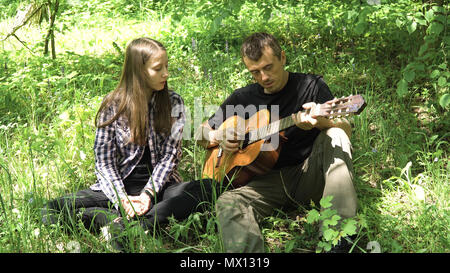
[{"x": 327, "y": 171}]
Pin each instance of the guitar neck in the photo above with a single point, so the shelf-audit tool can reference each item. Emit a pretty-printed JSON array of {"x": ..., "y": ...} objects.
[
  {"x": 352, "y": 104},
  {"x": 270, "y": 129}
]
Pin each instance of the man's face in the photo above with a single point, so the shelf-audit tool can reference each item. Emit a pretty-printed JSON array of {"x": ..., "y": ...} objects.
[{"x": 268, "y": 71}]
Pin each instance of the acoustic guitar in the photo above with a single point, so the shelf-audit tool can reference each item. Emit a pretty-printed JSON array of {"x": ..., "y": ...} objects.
[{"x": 259, "y": 149}]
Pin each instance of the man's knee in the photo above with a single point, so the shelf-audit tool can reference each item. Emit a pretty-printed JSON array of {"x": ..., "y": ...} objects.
[
  {"x": 228, "y": 200},
  {"x": 336, "y": 137},
  {"x": 336, "y": 132}
]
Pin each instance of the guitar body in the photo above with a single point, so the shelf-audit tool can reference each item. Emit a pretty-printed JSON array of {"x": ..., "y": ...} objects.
[{"x": 241, "y": 166}]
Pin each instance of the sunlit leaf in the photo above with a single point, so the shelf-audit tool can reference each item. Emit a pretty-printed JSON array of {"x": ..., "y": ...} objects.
[
  {"x": 72, "y": 74},
  {"x": 360, "y": 28},
  {"x": 330, "y": 234},
  {"x": 313, "y": 216},
  {"x": 402, "y": 88},
  {"x": 326, "y": 201},
  {"x": 333, "y": 221},
  {"x": 409, "y": 75},
  {"x": 349, "y": 227},
  {"x": 435, "y": 74},
  {"x": 411, "y": 27},
  {"x": 435, "y": 28},
  {"x": 429, "y": 15},
  {"x": 442, "y": 81},
  {"x": 444, "y": 101}
]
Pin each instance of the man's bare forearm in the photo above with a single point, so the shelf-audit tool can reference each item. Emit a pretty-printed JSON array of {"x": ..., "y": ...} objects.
[{"x": 204, "y": 136}]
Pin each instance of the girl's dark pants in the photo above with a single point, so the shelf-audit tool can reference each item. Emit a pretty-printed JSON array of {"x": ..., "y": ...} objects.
[{"x": 178, "y": 200}]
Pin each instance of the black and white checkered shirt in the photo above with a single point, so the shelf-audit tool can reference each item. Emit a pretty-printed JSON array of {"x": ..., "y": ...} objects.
[{"x": 115, "y": 159}]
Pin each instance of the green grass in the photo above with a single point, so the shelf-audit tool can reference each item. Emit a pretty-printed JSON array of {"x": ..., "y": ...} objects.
[{"x": 47, "y": 108}]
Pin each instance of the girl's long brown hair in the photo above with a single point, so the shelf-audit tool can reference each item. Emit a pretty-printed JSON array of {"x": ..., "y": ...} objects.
[{"x": 132, "y": 93}]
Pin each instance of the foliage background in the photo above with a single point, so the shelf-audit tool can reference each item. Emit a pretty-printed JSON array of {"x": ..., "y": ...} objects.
[{"x": 394, "y": 53}]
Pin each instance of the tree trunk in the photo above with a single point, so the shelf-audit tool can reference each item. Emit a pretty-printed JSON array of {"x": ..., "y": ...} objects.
[{"x": 50, "y": 34}]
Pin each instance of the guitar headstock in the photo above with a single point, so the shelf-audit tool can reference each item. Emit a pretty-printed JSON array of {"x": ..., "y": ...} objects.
[{"x": 340, "y": 107}]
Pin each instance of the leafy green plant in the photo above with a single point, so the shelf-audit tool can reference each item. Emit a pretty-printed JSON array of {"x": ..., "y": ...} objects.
[
  {"x": 328, "y": 220},
  {"x": 430, "y": 62}
]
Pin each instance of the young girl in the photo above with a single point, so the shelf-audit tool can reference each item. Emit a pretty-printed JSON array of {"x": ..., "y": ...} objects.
[{"x": 137, "y": 148}]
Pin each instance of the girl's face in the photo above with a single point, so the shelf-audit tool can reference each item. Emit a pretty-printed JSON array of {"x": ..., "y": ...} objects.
[{"x": 157, "y": 67}]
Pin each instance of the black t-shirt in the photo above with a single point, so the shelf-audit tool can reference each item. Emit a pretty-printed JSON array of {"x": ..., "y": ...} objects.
[
  {"x": 143, "y": 169},
  {"x": 300, "y": 89}
]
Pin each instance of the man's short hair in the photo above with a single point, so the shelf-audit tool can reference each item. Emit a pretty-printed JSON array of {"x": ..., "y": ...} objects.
[{"x": 254, "y": 44}]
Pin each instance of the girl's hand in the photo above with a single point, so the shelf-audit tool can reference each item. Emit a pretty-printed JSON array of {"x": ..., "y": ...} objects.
[
  {"x": 136, "y": 205},
  {"x": 129, "y": 207},
  {"x": 142, "y": 203}
]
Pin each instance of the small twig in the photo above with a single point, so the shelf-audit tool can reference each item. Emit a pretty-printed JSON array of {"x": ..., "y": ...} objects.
[
  {"x": 23, "y": 43},
  {"x": 304, "y": 250}
]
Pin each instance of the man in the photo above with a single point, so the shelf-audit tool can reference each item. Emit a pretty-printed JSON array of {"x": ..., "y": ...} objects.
[{"x": 314, "y": 162}]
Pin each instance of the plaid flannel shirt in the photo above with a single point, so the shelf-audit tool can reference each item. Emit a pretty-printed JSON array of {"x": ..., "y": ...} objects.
[{"x": 115, "y": 159}]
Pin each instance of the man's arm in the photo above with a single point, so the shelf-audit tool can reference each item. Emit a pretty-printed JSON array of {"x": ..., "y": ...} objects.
[
  {"x": 205, "y": 136},
  {"x": 228, "y": 139}
]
